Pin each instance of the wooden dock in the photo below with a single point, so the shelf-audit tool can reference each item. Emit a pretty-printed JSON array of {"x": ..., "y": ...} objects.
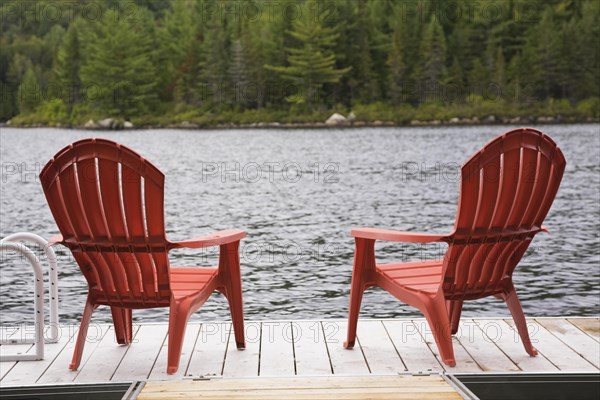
[
  {"x": 335, "y": 388},
  {"x": 307, "y": 348}
]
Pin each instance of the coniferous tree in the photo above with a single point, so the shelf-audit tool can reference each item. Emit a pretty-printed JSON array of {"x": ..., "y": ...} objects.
[
  {"x": 479, "y": 78},
  {"x": 178, "y": 51},
  {"x": 29, "y": 93},
  {"x": 588, "y": 35},
  {"x": 251, "y": 90},
  {"x": 432, "y": 56},
  {"x": 68, "y": 64},
  {"x": 454, "y": 83},
  {"x": 366, "y": 88},
  {"x": 499, "y": 69},
  {"x": 380, "y": 30},
  {"x": 519, "y": 90},
  {"x": 120, "y": 68},
  {"x": 313, "y": 63},
  {"x": 397, "y": 63},
  {"x": 238, "y": 79},
  {"x": 271, "y": 39},
  {"x": 213, "y": 65},
  {"x": 542, "y": 53}
]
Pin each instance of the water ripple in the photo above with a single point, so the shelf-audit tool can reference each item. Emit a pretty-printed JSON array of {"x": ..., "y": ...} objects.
[{"x": 313, "y": 187}]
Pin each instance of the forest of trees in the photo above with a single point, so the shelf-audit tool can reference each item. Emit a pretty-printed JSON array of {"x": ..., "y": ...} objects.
[{"x": 67, "y": 61}]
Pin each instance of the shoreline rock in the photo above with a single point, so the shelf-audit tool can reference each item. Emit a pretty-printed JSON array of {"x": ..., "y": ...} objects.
[{"x": 336, "y": 119}]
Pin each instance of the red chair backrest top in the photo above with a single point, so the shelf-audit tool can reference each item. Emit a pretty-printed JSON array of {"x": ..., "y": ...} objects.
[
  {"x": 506, "y": 191},
  {"x": 108, "y": 203}
]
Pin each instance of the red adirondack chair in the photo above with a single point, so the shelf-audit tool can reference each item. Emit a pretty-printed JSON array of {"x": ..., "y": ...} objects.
[
  {"x": 506, "y": 191},
  {"x": 108, "y": 204}
]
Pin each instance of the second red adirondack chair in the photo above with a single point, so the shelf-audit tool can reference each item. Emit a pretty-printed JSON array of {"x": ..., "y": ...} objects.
[
  {"x": 108, "y": 204},
  {"x": 506, "y": 191}
]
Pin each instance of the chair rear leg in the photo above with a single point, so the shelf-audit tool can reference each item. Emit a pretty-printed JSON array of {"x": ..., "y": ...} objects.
[
  {"x": 82, "y": 334},
  {"x": 454, "y": 311},
  {"x": 122, "y": 320},
  {"x": 437, "y": 316},
  {"x": 516, "y": 310}
]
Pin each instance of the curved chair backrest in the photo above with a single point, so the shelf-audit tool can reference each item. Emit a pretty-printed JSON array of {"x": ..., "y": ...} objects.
[
  {"x": 506, "y": 191},
  {"x": 108, "y": 204}
]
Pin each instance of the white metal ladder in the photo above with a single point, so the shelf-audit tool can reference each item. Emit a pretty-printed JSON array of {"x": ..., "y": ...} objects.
[{"x": 12, "y": 242}]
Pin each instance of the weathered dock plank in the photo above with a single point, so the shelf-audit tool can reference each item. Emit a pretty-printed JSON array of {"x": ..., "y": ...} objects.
[
  {"x": 26, "y": 372},
  {"x": 379, "y": 350},
  {"x": 591, "y": 326},
  {"x": 58, "y": 371},
  {"x": 509, "y": 341},
  {"x": 210, "y": 349},
  {"x": 372, "y": 387},
  {"x": 102, "y": 363},
  {"x": 561, "y": 355},
  {"x": 310, "y": 350},
  {"x": 277, "y": 349},
  {"x": 464, "y": 361},
  {"x": 244, "y": 363},
  {"x": 577, "y": 340},
  {"x": 343, "y": 361},
  {"x": 6, "y": 335},
  {"x": 159, "y": 371},
  {"x": 413, "y": 349},
  {"x": 488, "y": 356},
  {"x": 138, "y": 362}
]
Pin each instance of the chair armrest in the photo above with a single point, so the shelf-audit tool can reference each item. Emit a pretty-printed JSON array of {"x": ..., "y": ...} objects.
[
  {"x": 215, "y": 239},
  {"x": 397, "y": 236}
]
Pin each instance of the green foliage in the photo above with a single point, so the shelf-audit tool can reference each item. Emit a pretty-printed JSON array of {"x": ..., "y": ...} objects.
[
  {"x": 119, "y": 67},
  {"x": 313, "y": 63},
  {"x": 67, "y": 64},
  {"x": 178, "y": 52},
  {"x": 260, "y": 61},
  {"x": 29, "y": 93},
  {"x": 589, "y": 107},
  {"x": 52, "y": 112},
  {"x": 397, "y": 62},
  {"x": 432, "y": 53},
  {"x": 384, "y": 112}
]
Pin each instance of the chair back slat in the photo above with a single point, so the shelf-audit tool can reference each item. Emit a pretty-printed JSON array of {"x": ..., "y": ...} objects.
[
  {"x": 132, "y": 204},
  {"x": 74, "y": 204},
  {"x": 109, "y": 181},
  {"x": 507, "y": 189},
  {"x": 91, "y": 199},
  {"x": 154, "y": 205}
]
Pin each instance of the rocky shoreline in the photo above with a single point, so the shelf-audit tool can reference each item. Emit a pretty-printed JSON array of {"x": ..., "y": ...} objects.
[{"x": 334, "y": 121}]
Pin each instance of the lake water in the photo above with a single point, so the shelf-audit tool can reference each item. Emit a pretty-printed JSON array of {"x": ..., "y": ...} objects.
[{"x": 298, "y": 193}]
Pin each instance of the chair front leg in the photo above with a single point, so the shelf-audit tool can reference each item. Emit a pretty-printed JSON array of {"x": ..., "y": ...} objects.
[
  {"x": 437, "y": 316},
  {"x": 362, "y": 273},
  {"x": 82, "y": 334},
  {"x": 516, "y": 310},
  {"x": 229, "y": 269},
  {"x": 179, "y": 313}
]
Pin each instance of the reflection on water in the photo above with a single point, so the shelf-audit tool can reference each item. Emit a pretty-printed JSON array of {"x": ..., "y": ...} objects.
[{"x": 297, "y": 193}]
